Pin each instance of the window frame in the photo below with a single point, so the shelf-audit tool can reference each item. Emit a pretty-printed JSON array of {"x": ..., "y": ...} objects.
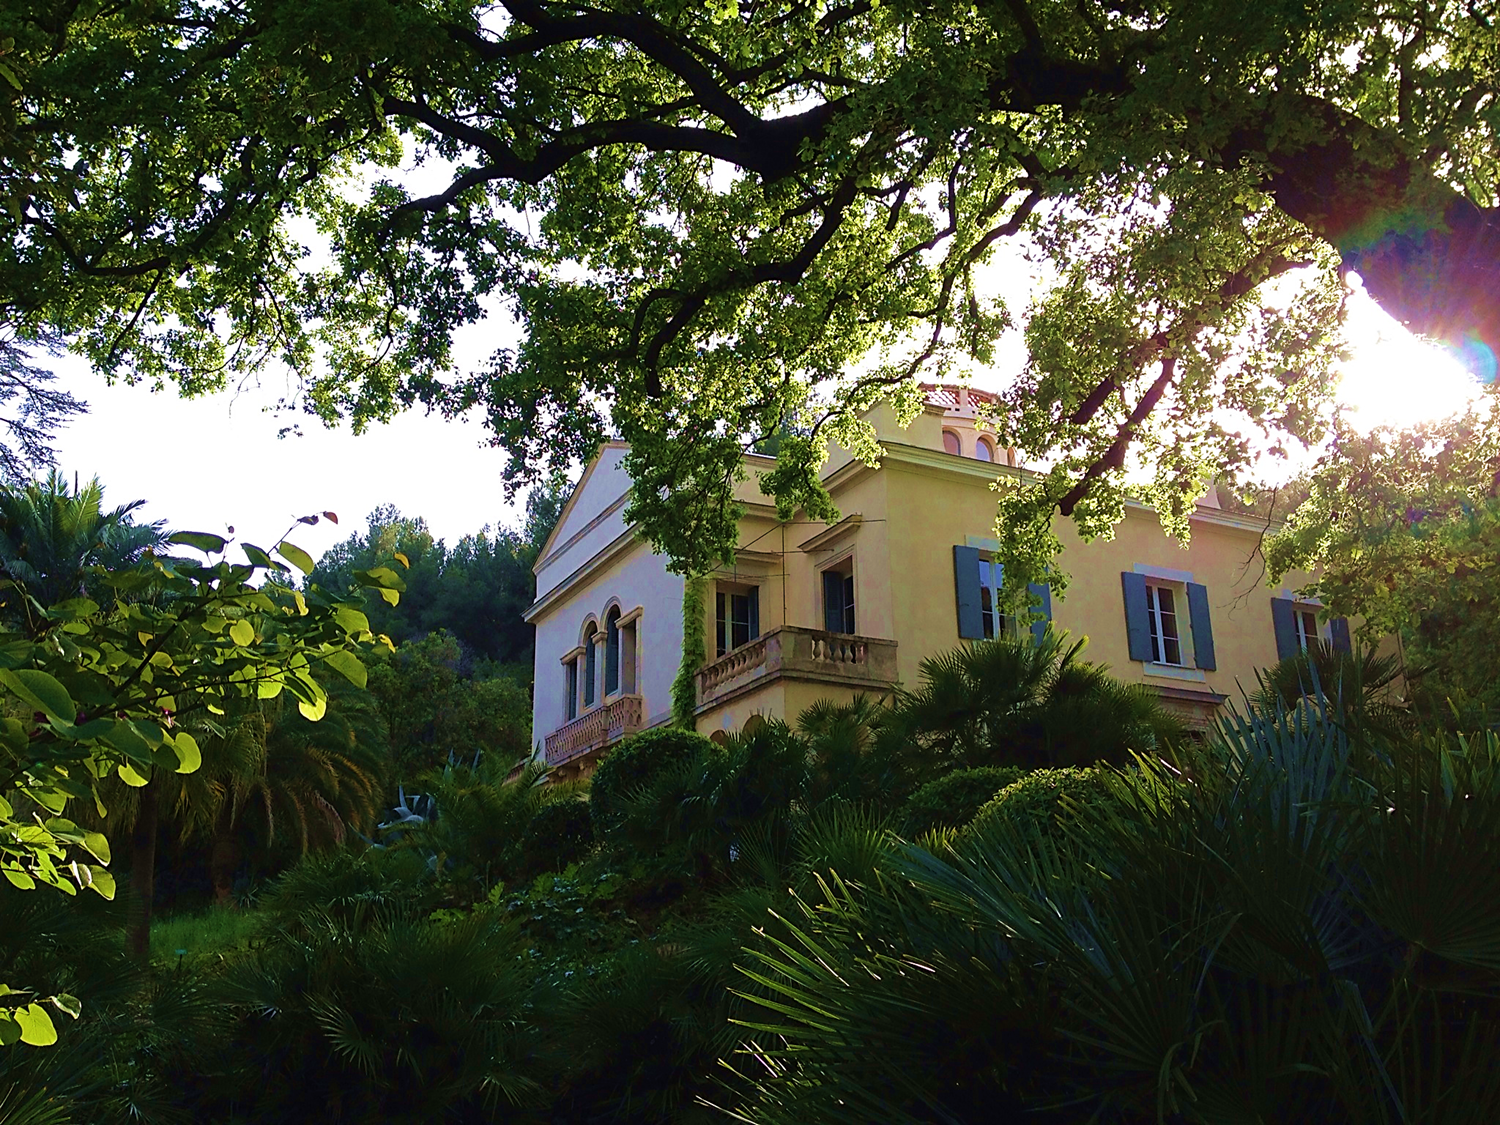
[
  {"x": 995, "y": 622},
  {"x": 844, "y": 568},
  {"x": 725, "y": 594},
  {"x": 1156, "y": 620},
  {"x": 982, "y": 441},
  {"x": 1301, "y": 611}
]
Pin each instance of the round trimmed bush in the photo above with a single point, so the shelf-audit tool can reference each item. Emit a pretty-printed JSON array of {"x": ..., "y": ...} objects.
[
  {"x": 1034, "y": 802},
  {"x": 559, "y": 834},
  {"x": 635, "y": 763},
  {"x": 951, "y": 801}
]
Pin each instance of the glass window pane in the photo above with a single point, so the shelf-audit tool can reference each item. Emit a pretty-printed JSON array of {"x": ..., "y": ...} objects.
[{"x": 950, "y": 443}]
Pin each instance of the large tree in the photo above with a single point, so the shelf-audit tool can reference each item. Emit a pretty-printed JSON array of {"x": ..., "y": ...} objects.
[{"x": 716, "y": 221}]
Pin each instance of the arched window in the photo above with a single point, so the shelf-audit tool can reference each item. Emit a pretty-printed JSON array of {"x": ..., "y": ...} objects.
[
  {"x": 951, "y": 443},
  {"x": 983, "y": 450},
  {"x": 590, "y": 664},
  {"x": 612, "y": 651}
]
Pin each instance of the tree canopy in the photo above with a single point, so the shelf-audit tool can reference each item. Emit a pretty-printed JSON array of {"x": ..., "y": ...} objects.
[{"x": 717, "y": 221}]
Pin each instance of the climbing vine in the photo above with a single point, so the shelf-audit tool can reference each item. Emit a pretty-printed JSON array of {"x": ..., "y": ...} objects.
[{"x": 694, "y": 653}]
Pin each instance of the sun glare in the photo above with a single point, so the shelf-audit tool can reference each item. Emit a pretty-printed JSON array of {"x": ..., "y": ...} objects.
[{"x": 1393, "y": 378}]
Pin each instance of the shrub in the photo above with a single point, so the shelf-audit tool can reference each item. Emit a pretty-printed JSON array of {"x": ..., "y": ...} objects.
[
  {"x": 559, "y": 834},
  {"x": 635, "y": 763},
  {"x": 951, "y": 801},
  {"x": 1035, "y": 802}
]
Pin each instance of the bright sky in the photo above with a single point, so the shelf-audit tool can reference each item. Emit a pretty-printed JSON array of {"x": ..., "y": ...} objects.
[{"x": 217, "y": 461}]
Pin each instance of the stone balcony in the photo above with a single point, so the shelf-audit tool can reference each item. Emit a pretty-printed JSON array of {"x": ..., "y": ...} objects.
[
  {"x": 799, "y": 654},
  {"x": 595, "y": 729}
]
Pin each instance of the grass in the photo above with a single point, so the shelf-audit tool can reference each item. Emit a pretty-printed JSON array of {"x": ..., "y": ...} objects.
[{"x": 216, "y": 930}]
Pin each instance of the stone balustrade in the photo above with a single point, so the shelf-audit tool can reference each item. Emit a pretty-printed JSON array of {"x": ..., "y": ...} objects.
[
  {"x": 804, "y": 654},
  {"x": 595, "y": 729}
]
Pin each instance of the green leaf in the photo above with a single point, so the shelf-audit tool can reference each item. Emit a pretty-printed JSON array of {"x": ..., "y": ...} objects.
[
  {"x": 18, "y": 878},
  {"x": 391, "y": 596},
  {"x": 66, "y": 1004},
  {"x": 104, "y": 882},
  {"x": 36, "y": 1025},
  {"x": 296, "y": 556},
  {"x": 188, "y": 753},
  {"x": 97, "y": 845},
  {"x": 347, "y": 665},
  {"x": 42, "y": 692},
  {"x": 205, "y": 541},
  {"x": 10, "y": 1031},
  {"x": 129, "y": 776},
  {"x": 351, "y": 620},
  {"x": 242, "y": 633},
  {"x": 315, "y": 710}
]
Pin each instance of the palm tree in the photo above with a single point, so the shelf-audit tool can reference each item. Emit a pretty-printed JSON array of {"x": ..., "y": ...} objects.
[
  {"x": 1004, "y": 703},
  {"x": 1358, "y": 686},
  {"x": 51, "y": 538},
  {"x": 269, "y": 770}
]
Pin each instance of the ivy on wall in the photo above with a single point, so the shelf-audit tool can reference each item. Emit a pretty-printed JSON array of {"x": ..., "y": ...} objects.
[{"x": 694, "y": 653}]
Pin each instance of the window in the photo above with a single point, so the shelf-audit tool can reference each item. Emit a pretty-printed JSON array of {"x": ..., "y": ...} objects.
[
  {"x": 951, "y": 443},
  {"x": 628, "y": 634},
  {"x": 983, "y": 450},
  {"x": 571, "y": 677},
  {"x": 590, "y": 668},
  {"x": 997, "y": 623},
  {"x": 1305, "y": 621},
  {"x": 736, "y": 618},
  {"x": 838, "y": 598},
  {"x": 612, "y": 651},
  {"x": 1298, "y": 629},
  {"x": 1161, "y": 610}
]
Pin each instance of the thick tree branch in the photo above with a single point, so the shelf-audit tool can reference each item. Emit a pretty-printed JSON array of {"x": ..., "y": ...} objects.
[{"x": 1429, "y": 256}]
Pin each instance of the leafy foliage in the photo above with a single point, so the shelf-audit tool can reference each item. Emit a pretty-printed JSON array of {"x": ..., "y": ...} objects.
[
  {"x": 716, "y": 224},
  {"x": 438, "y": 710},
  {"x": 476, "y": 590},
  {"x": 1402, "y": 529},
  {"x": 951, "y": 801},
  {"x": 635, "y": 763}
]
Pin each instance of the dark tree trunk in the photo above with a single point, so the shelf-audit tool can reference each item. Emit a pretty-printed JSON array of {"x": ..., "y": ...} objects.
[
  {"x": 224, "y": 856},
  {"x": 142, "y": 874}
]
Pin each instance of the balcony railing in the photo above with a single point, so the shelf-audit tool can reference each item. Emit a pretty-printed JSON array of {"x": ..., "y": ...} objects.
[
  {"x": 803, "y": 654},
  {"x": 596, "y": 729}
]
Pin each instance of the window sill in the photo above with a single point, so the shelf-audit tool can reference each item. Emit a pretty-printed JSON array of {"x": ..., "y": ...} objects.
[{"x": 1175, "y": 672}]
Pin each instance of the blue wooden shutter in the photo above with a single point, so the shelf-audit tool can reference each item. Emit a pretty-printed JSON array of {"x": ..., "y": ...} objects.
[
  {"x": 833, "y": 602},
  {"x": 1286, "y": 628},
  {"x": 1137, "y": 617},
  {"x": 754, "y": 612},
  {"x": 1041, "y": 595},
  {"x": 1339, "y": 628},
  {"x": 1203, "y": 629},
  {"x": 966, "y": 589}
]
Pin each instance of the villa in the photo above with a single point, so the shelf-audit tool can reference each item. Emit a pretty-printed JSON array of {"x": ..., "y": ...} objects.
[{"x": 812, "y": 611}]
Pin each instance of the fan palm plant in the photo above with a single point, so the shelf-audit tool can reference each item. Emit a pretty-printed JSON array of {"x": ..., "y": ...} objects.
[
  {"x": 1305, "y": 930},
  {"x": 1019, "y": 703}
]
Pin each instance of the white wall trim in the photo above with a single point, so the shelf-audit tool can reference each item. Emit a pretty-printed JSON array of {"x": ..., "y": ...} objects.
[{"x": 1166, "y": 573}]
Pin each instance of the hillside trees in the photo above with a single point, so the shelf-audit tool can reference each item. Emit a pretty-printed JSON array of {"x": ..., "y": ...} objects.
[
  {"x": 719, "y": 221},
  {"x": 476, "y": 590}
]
